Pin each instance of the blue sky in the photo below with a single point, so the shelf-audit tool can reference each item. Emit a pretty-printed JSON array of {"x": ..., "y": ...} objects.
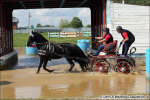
[{"x": 52, "y": 16}]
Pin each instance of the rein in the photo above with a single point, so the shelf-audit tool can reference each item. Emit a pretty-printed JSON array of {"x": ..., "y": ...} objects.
[{"x": 41, "y": 43}]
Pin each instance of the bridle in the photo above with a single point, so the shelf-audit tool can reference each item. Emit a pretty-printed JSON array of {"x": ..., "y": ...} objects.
[{"x": 37, "y": 43}]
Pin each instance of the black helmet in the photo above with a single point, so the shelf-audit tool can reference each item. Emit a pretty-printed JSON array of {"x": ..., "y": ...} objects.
[
  {"x": 106, "y": 29},
  {"x": 119, "y": 28}
]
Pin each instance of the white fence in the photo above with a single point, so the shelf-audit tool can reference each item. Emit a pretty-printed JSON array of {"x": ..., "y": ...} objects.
[{"x": 69, "y": 34}]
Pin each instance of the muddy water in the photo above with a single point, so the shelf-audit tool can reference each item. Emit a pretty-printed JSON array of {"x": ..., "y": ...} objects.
[{"x": 23, "y": 82}]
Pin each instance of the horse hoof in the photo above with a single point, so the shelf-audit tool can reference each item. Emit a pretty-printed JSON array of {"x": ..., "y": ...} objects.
[
  {"x": 84, "y": 70},
  {"x": 37, "y": 72},
  {"x": 68, "y": 71},
  {"x": 51, "y": 71}
]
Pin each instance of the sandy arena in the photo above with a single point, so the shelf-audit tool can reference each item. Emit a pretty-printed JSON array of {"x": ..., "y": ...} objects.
[{"x": 22, "y": 82}]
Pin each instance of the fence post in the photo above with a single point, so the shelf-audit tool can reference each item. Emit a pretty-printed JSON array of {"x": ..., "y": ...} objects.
[
  {"x": 59, "y": 34},
  {"x": 82, "y": 34},
  {"x": 48, "y": 35},
  {"x": 76, "y": 34}
]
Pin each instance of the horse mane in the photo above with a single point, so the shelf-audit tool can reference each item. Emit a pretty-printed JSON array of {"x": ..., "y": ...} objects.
[{"x": 39, "y": 38}]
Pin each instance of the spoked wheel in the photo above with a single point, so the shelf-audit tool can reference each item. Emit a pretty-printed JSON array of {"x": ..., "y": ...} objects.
[
  {"x": 101, "y": 66},
  {"x": 123, "y": 67}
]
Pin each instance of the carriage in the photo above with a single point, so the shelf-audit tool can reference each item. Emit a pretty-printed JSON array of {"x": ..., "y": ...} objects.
[{"x": 100, "y": 63}]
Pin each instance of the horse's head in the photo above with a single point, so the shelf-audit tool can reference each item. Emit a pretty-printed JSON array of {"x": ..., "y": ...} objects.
[
  {"x": 36, "y": 37},
  {"x": 31, "y": 39}
]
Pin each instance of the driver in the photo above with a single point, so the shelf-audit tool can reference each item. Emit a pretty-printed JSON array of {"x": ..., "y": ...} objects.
[
  {"x": 105, "y": 39},
  {"x": 128, "y": 39}
]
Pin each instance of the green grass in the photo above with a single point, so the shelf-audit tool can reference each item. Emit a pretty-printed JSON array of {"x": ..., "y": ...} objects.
[{"x": 20, "y": 39}]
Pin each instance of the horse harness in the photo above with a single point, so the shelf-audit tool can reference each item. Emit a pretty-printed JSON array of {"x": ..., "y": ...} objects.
[{"x": 47, "y": 49}]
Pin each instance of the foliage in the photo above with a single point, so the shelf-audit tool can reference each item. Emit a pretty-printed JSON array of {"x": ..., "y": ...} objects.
[
  {"x": 64, "y": 23},
  {"x": 48, "y": 26},
  {"x": 38, "y": 25},
  {"x": 89, "y": 25},
  {"x": 117, "y": 1},
  {"x": 76, "y": 23},
  {"x": 135, "y": 2},
  {"x": 23, "y": 28}
]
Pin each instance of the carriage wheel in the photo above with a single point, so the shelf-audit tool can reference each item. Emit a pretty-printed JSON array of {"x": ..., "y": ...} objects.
[
  {"x": 101, "y": 66},
  {"x": 123, "y": 67}
]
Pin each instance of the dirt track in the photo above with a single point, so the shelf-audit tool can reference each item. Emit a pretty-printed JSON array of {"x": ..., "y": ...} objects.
[{"x": 25, "y": 83}]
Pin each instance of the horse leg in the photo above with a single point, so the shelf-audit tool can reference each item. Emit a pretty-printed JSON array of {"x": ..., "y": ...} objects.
[
  {"x": 86, "y": 66},
  {"x": 82, "y": 66},
  {"x": 71, "y": 64},
  {"x": 44, "y": 66},
  {"x": 41, "y": 62}
]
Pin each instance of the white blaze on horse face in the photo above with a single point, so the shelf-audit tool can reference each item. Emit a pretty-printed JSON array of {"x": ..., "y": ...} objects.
[{"x": 31, "y": 35}]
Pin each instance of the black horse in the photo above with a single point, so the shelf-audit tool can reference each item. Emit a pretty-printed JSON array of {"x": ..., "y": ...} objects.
[{"x": 48, "y": 51}]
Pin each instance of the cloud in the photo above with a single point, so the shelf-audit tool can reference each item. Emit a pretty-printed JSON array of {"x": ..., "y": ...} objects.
[
  {"x": 41, "y": 12},
  {"x": 45, "y": 20},
  {"x": 85, "y": 15},
  {"x": 51, "y": 16},
  {"x": 84, "y": 12}
]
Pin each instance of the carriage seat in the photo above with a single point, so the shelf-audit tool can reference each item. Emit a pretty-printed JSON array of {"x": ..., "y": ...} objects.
[{"x": 110, "y": 48}]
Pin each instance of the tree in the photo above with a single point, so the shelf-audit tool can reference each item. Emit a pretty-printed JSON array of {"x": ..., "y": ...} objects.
[
  {"x": 61, "y": 23},
  {"x": 48, "y": 26},
  {"x": 64, "y": 23},
  {"x": 39, "y": 25},
  {"x": 52, "y": 26},
  {"x": 88, "y": 25},
  {"x": 76, "y": 23}
]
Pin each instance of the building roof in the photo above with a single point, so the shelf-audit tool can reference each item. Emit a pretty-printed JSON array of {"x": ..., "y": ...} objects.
[
  {"x": 32, "y": 4},
  {"x": 47, "y": 28}
]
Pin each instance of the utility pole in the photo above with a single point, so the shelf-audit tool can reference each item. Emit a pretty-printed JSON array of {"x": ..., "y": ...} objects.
[{"x": 29, "y": 16}]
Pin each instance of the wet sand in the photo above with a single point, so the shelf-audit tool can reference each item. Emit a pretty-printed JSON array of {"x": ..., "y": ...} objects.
[
  {"x": 25, "y": 83},
  {"x": 22, "y": 82}
]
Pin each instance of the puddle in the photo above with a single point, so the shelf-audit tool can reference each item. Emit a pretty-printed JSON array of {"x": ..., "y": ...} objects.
[
  {"x": 32, "y": 61},
  {"x": 22, "y": 82},
  {"x": 69, "y": 85},
  {"x": 27, "y": 92}
]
